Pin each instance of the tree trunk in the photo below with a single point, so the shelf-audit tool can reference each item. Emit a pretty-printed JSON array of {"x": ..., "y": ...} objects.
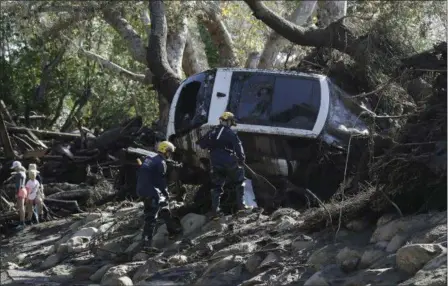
[
  {"x": 165, "y": 80},
  {"x": 252, "y": 60},
  {"x": 175, "y": 45},
  {"x": 220, "y": 37},
  {"x": 276, "y": 42},
  {"x": 194, "y": 59}
]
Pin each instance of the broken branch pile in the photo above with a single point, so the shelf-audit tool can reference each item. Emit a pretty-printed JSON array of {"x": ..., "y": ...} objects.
[{"x": 79, "y": 170}]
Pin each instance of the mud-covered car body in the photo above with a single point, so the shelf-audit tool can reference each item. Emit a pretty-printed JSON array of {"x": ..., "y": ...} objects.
[{"x": 280, "y": 115}]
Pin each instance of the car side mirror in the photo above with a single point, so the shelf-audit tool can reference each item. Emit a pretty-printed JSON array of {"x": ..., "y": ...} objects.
[{"x": 220, "y": 94}]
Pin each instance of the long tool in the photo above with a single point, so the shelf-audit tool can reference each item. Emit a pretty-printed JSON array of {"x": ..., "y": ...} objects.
[{"x": 260, "y": 179}]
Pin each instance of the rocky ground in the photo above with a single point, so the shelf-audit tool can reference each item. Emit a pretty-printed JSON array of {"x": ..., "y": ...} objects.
[{"x": 254, "y": 249}]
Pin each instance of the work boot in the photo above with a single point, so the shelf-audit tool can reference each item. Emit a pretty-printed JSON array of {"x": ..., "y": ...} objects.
[
  {"x": 21, "y": 225},
  {"x": 147, "y": 246},
  {"x": 213, "y": 215}
]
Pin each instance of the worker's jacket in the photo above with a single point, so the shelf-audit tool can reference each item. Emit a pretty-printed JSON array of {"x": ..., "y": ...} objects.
[
  {"x": 225, "y": 147},
  {"x": 151, "y": 181}
]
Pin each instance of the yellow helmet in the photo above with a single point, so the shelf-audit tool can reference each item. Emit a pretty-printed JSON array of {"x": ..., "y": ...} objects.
[
  {"x": 165, "y": 146},
  {"x": 228, "y": 116}
]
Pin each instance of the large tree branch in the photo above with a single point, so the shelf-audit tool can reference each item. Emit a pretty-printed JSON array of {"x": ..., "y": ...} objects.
[
  {"x": 276, "y": 42},
  {"x": 113, "y": 66},
  {"x": 165, "y": 80},
  {"x": 220, "y": 37},
  {"x": 336, "y": 35},
  {"x": 128, "y": 33},
  {"x": 331, "y": 11}
]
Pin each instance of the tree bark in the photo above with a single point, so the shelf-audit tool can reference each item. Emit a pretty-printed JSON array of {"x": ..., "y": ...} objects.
[
  {"x": 6, "y": 142},
  {"x": 276, "y": 42},
  {"x": 165, "y": 80},
  {"x": 175, "y": 45},
  {"x": 220, "y": 37},
  {"x": 252, "y": 60},
  {"x": 194, "y": 59}
]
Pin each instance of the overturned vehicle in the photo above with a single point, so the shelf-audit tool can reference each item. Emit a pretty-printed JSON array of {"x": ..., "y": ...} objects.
[{"x": 295, "y": 127}]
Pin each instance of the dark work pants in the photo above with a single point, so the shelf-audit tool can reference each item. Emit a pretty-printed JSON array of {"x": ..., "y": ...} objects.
[
  {"x": 151, "y": 210},
  {"x": 233, "y": 177}
]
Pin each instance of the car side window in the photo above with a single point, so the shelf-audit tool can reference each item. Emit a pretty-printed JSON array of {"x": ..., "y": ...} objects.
[
  {"x": 254, "y": 92},
  {"x": 296, "y": 102}
]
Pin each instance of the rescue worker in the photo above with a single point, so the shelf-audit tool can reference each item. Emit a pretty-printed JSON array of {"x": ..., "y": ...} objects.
[
  {"x": 152, "y": 187},
  {"x": 227, "y": 158},
  {"x": 19, "y": 176}
]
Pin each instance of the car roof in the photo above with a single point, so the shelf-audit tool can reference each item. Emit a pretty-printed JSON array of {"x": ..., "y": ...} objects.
[{"x": 319, "y": 76}]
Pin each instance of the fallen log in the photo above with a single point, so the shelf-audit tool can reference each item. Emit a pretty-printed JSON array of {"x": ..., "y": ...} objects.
[
  {"x": 45, "y": 133},
  {"x": 78, "y": 195},
  {"x": 71, "y": 206},
  {"x": 5, "y": 111}
]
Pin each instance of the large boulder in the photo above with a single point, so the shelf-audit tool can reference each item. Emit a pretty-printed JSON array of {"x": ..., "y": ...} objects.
[
  {"x": 114, "y": 273},
  {"x": 192, "y": 222},
  {"x": 434, "y": 273},
  {"x": 98, "y": 275},
  {"x": 411, "y": 258},
  {"x": 301, "y": 242},
  {"x": 347, "y": 259}
]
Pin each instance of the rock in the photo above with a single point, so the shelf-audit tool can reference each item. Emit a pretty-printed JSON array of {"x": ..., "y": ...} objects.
[
  {"x": 98, "y": 275},
  {"x": 63, "y": 240},
  {"x": 377, "y": 277},
  {"x": 413, "y": 257},
  {"x": 323, "y": 256},
  {"x": 161, "y": 238},
  {"x": 253, "y": 262},
  {"x": 11, "y": 266},
  {"x": 51, "y": 261},
  {"x": 286, "y": 223},
  {"x": 214, "y": 226},
  {"x": 389, "y": 261},
  {"x": 235, "y": 249},
  {"x": 77, "y": 244},
  {"x": 285, "y": 212},
  {"x": 74, "y": 226},
  {"x": 271, "y": 259},
  {"x": 370, "y": 256},
  {"x": 326, "y": 276},
  {"x": 51, "y": 249},
  {"x": 86, "y": 232},
  {"x": 192, "y": 222},
  {"x": 63, "y": 248},
  {"x": 133, "y": 247},
  {"x": 106, "y": 227},
  {"x": 182, "y": 275},
  {"x": 20, "y": 258},
  {"x": 436, "y": 234},
  {"x": 347, "y": 259},
  {"x": 118, "y": 281},
  {"x": 150, "y": 267},
  {"x": 230, "y": 277},
  {"x": 357, "y": 225},
  {"x": 115, "y": 272},
  {"x": 178, "y": 260},
  {"x": 402, "y": 225},
  {"x": 434, "y": 273},
  {"x": 82, "y": 273},
  {"x": 316, "y": 280},
  {"x": 301, "y": 242},
  {"x": 382, "y": 244},
  {"x": 386, "y": 218},
  {"x": 141, "y": 256},
  {"x": 397, "y": 241},
  {"x": 223, "y": 265}
]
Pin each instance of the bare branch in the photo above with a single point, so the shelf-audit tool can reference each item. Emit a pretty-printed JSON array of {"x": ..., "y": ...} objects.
[
  {"x": 112, "y": 66},
  {"x": 336, "y": 35},
  {"x": 128, "y": 33}
]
